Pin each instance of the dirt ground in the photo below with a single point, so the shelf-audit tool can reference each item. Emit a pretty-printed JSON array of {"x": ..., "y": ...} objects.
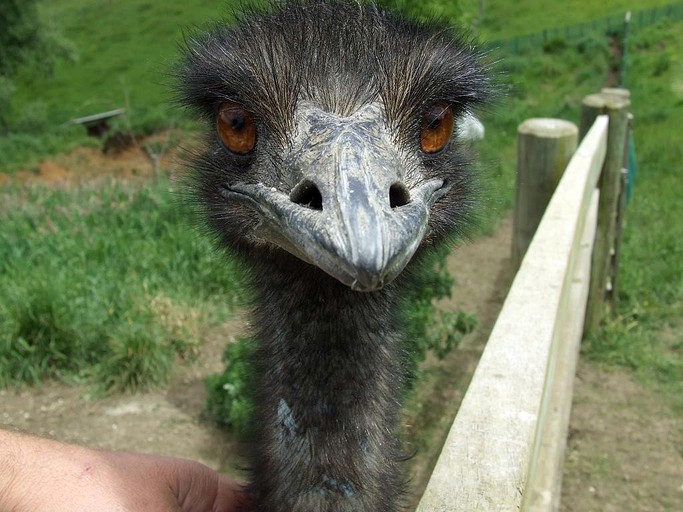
[{"x": 625, "y": 450}]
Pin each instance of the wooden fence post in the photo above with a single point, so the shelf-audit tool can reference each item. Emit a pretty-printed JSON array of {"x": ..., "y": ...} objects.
[
  {"x": 614, "y": 103},
  {"x": 626, "y": 176},
  {"x": 544, "y": 148}
]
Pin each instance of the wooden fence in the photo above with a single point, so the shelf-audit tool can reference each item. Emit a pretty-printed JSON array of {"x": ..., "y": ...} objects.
[{"x": 505, "y": 449}]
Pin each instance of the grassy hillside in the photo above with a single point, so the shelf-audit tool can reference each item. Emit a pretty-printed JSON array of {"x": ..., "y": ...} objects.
[
  {"x": 123, "y": 49},
  {"x": 503, "y": 20}
]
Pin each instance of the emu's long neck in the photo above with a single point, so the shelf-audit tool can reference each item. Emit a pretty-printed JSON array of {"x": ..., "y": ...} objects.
[{"x": 329, "y": 365}]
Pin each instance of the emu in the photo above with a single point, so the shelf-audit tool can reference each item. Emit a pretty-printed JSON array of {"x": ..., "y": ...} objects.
[{"x": 332, "y": 163}]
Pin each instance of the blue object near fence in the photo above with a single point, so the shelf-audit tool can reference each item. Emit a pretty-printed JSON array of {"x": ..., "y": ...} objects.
[{"x": 632, "y": 168}]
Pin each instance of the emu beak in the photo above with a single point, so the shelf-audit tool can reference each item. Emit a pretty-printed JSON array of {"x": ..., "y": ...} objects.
[{"x": 350, "y": 213}]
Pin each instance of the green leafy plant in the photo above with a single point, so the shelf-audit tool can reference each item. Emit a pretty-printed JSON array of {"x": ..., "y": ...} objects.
[
  {"x": 427, "y": 328},
  {"x": 229, "y": 401},
  {"x": 27, "y": 40}
]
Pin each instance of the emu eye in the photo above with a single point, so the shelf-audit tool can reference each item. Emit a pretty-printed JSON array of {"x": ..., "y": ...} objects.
[
  {"x": 437, "y": 127},
  {"x": 236, "y": 127}
]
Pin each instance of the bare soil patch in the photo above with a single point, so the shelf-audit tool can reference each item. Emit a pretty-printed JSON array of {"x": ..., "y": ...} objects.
[
  {"x": 625, "y": 450},
  {"x": 130, "y": 161}
]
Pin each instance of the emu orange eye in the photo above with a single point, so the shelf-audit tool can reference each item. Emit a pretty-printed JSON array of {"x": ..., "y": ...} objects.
[
  {"x": 437, "y": 127},
  {"x": 236, "y": 127}
]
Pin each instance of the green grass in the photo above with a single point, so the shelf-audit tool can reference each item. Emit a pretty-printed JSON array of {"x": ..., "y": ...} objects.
[
  {"x": 124, "y": 50},
  {"x": 646, "y": 334},
  {"x": 533, "y": 83},
  {"x": 504, "y": 20},
  {"x": 106, "y": 281}
]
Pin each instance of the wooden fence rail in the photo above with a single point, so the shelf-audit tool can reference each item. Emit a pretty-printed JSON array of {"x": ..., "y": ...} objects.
[{"x": 504, "y": 450}]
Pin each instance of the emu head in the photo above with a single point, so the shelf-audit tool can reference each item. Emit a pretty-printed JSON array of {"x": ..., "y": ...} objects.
[{"x": 333, "y": 134}]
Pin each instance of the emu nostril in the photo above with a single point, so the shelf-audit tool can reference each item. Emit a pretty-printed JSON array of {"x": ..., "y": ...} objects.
[
  {"x": 399, "y": 195},
  {"x": 307, "y": 194}
]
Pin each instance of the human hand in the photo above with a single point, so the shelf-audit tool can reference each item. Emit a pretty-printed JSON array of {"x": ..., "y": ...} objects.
[{"x": 40, "y": 475}]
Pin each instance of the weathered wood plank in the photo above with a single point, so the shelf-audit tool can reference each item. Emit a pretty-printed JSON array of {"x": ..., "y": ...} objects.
[
  {"x": 545, "y": 476},
  {"x": 485, "y": 460},
  {"x": 98, "y": 117}
]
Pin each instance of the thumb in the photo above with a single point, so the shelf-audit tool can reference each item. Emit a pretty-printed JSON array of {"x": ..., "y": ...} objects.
[{"x": 201, "y": 489}]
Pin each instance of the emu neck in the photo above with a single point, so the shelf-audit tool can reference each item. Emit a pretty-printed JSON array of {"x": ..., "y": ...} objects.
[{"x": 329, "y": 366}]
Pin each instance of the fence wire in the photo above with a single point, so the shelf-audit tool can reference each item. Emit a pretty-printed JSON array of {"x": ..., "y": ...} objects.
[{"x": 608, "y": 25}]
